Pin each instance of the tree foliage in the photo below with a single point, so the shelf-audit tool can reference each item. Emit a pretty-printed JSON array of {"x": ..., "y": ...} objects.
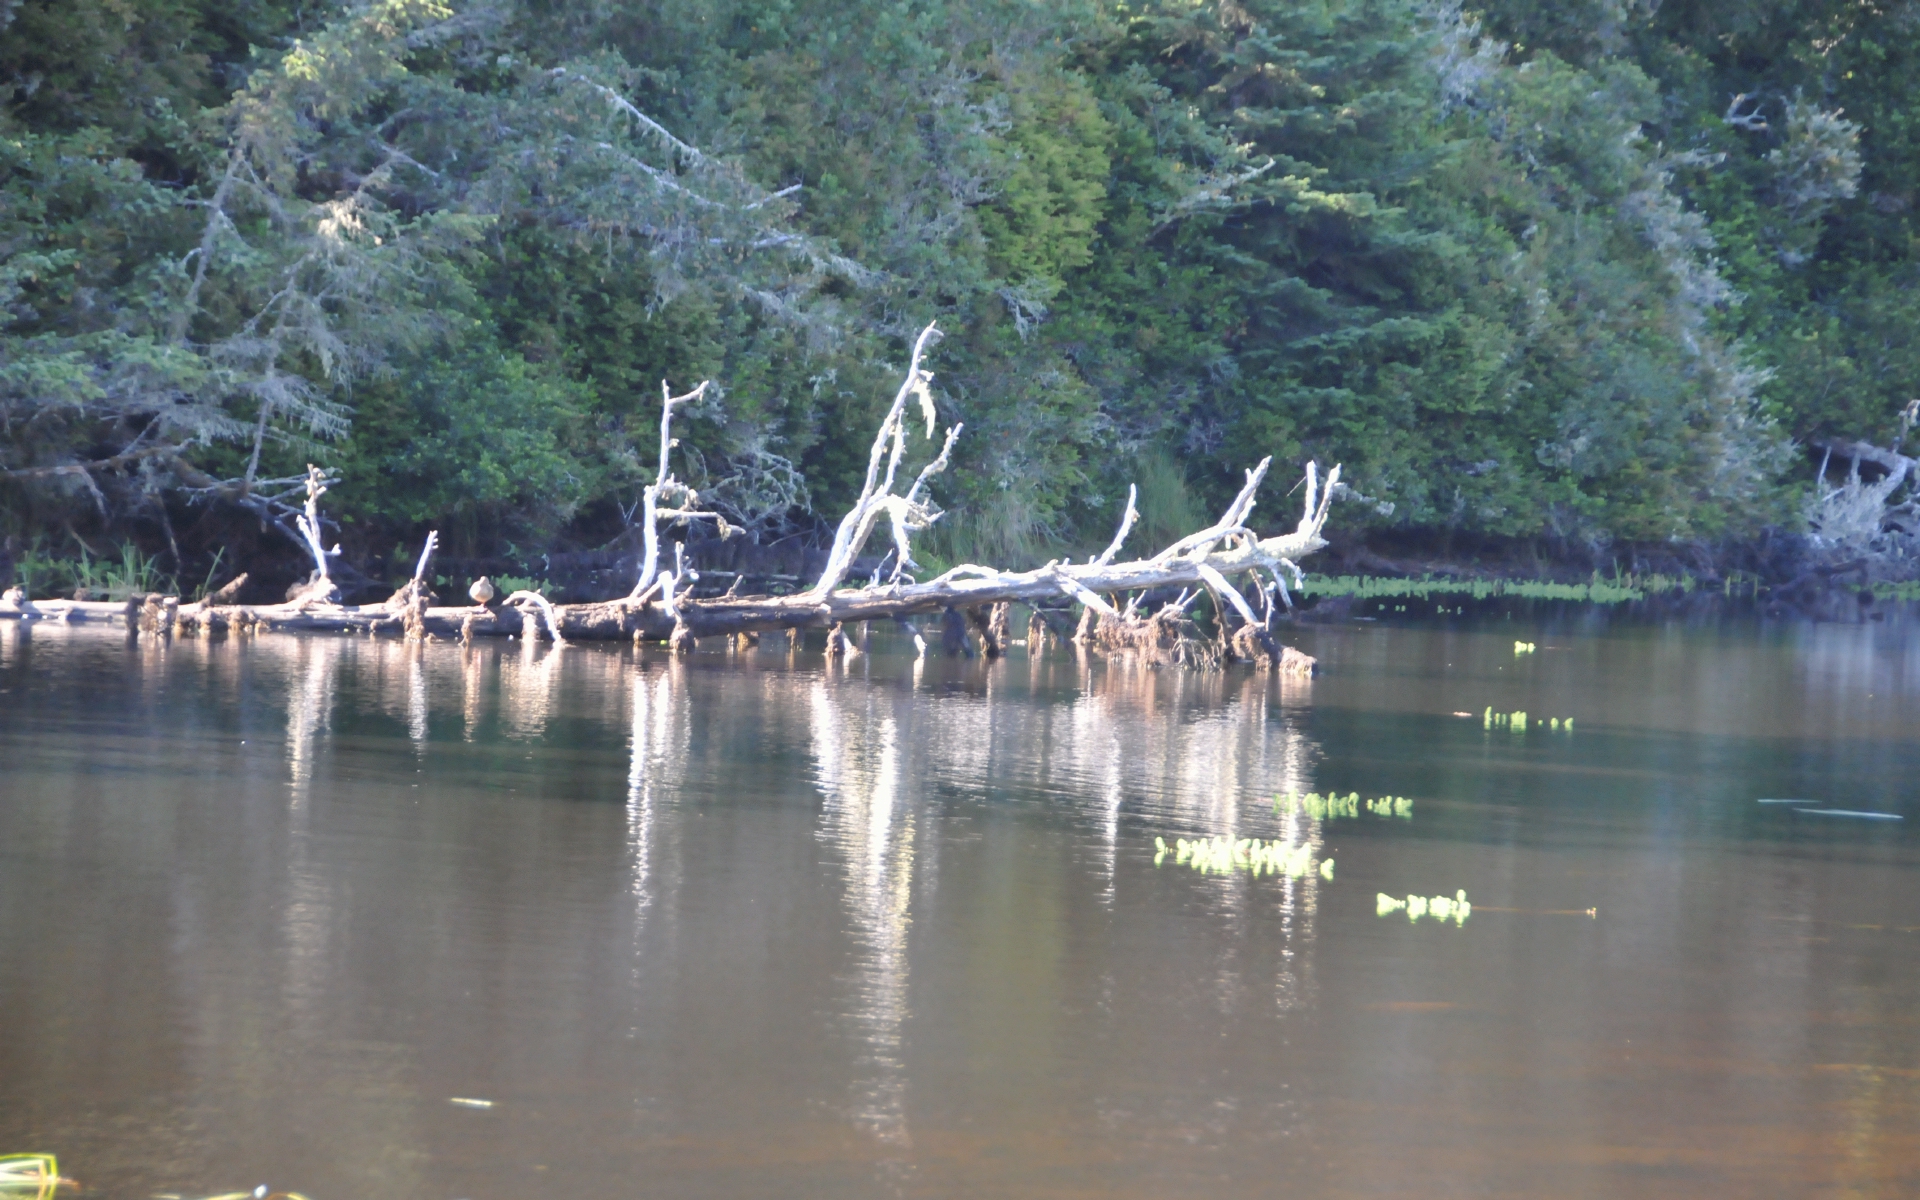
[{"x": 1522, "y": 268}]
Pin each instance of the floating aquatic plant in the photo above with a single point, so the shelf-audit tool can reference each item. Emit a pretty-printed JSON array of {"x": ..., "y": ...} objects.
[
  {"x": 1517, "y": 721},
  {"x": 1391, "y": 806},
  {"x": 1220, "y": 856},
  {"x": 1440, "y": 908},
  {"x": 1513, "y": 720},
  {"x": 28, "y": 1170},
  {"x": 1334, "y": 806},
  {"x": 36, "y": 1173},
  {"x": 1320, "y": 808}
]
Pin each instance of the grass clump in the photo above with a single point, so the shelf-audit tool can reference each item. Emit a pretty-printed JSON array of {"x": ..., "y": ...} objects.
[
  {"x": 1597, "y": 591},
  {"x": 45, "y": 576}
]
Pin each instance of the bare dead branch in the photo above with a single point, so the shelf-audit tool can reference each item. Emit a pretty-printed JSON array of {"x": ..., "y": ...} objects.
[
  {"x": 1126, "y": 526},
  {"x": 545, "y": 608},
  {"x": 98, "y": 464},
  {"x": 668, "y": 489},
  {"x": 1209, "y": 560},
  {"x": 889, "y": 446}
]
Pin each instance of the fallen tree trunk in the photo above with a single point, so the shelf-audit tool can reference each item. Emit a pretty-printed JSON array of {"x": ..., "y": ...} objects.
[
  {"x": 964, "y": 589},
  {"x": 1212, "y": 560},
  {"x": 967, "y": 588}
]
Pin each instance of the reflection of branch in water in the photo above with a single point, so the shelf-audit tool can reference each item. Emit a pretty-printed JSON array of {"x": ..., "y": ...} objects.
[
  {"x": 527, "y": 689},
  {"x": 309, "y": 709},
  {"x": 417, "y": 695},
  {"x": 656, "y": 752},
  {"x": 860, "y": 778},
  {"x": 472, "y": 689},
  {"x": 1114, "y": 797},
  {"x": 1198, "y": 753}
]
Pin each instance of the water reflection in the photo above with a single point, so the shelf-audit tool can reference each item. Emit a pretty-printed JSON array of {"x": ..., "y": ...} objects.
[
  {"x": 858, "y": 762},
  {"x": 417, "y": 697},
  {"x": 315, "y": 666},
  {"x": 527, "y": 684},
  {"x": 657, "y": 743},
  {"x": 746, "y": 924}
]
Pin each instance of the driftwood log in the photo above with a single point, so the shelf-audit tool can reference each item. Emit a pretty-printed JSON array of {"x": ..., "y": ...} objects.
[{"x": 975, "y": 601}]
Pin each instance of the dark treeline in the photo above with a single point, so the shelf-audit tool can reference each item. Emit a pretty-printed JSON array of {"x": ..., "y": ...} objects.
[{"x": 1590, "y": 276}]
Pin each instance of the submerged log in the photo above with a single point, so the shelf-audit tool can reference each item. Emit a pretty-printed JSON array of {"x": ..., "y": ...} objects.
[{"x": 1252, "y": 644}]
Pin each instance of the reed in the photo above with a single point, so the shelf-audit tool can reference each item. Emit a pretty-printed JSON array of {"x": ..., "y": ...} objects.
[{"x": 43, "y": 574}]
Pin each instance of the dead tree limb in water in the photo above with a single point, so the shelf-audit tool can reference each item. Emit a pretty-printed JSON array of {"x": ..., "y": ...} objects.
[
  {"x": 319, "y": 586},
  {"x": 665, "y": 489},
  {"x": 1869, "y": 526},
  {"x": 414, "y": 596},
  {"x": 1216, "y": 559},
  {"x": 909, "y": 513}
]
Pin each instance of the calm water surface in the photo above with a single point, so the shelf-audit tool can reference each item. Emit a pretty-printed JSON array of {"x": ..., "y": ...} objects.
[{"x": 757, "y": 926}]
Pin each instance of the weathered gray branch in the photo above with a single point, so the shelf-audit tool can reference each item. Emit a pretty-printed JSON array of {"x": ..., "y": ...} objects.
[
  {"x": 666, "y": 488},
  {"x": 1126, "y": 525},
  {"x": 98, "y": 464},
  {"x": 876, "y": 493},
  {"x": 546, "y": 609},
  {"x": 1211, "y": 559}
]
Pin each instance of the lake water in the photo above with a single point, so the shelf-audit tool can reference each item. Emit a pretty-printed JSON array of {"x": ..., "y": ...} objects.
[{"x": 756, "y": 925}]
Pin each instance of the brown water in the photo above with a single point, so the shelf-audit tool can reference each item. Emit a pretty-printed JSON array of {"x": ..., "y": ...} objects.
[{"x": 752, "y": 926}]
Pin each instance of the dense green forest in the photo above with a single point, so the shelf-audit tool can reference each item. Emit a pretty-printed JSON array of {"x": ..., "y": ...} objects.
[{"x": 1584, "y": 276}]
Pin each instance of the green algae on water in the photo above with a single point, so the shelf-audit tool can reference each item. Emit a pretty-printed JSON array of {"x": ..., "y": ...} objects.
[
  {"x": 1440, "y": 908},
  {"x": 1222, "y": 856},
  {"x": 1517, "y": 721},
  {"x": 1334, "y": 807}
]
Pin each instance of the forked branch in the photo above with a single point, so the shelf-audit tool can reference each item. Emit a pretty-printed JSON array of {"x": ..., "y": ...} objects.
[
  {"x": 665, "y": 489},
  {"x": 876, "y": 493},
  {"x": 1214, "y": 560}
]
